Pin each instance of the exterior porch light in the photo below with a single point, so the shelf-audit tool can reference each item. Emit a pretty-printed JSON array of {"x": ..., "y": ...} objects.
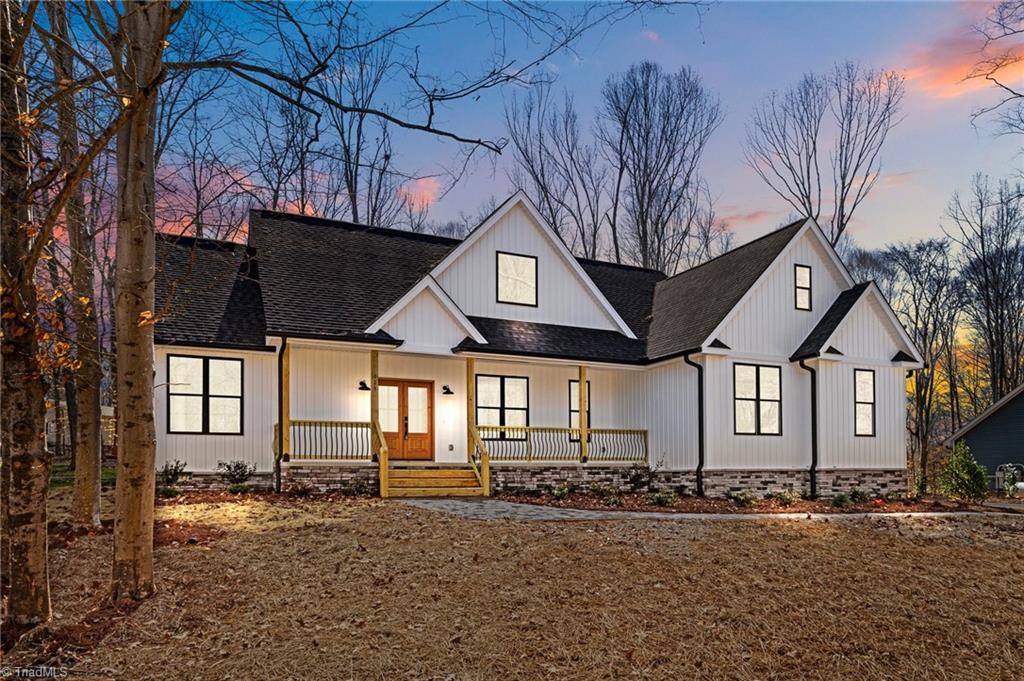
[
  {"x": 445, "y": 390},
  {"x": 363, "y": 386}
]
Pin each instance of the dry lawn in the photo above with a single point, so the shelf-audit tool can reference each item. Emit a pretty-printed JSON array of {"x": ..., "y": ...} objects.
[{"x": 372, "y": 590}]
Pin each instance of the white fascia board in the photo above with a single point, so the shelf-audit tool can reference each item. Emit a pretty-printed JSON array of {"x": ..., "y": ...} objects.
[
  {"x": 428, "y": 283},
  {"x": 521, "y": 199}
]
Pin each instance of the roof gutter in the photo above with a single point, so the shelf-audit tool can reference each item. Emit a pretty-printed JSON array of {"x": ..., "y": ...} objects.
[
  {"x": 700, "y": 418},
  {"x": 813, "y": 471}
]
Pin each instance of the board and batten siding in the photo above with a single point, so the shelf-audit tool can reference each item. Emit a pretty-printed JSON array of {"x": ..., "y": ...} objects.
[
  {"x": 201, "y": 453},
  {"x": 767, "y": 322},
  {"x": 725, "y": 450},
  {"x": 663, "y": 400},
  {"x": 471, "y": 280},
  {"x": 426, "y": 326},
  {"x": 866, "y": 334}
]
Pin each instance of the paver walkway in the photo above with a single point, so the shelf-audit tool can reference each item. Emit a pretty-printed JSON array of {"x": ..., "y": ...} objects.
[{"x": 496, "y": 509}]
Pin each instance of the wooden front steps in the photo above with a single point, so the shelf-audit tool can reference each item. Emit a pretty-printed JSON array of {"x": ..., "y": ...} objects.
[{"x": 432, "y": 480}]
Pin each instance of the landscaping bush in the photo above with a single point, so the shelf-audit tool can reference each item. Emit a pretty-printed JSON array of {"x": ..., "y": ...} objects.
[
  {"x": 840, "y": 500},
  {"x": 236, "y": 472},
  {"x": 1010, "y": 480},
  {"x": 167, "y": 492},
  {"x": 786, "y": 498},
  {"x": 170, "y": 473},
  {"x": 743, "y": 499},
  {"x": 642, "y": 476},
  {"x": 239, "y": 488},
  {"x": 608, "y": 494},
  {"x": 963, "y": 478},
  {"x": 561, "y": 492},
  {"x": 859, "y": 496},
  {"x": 661, "y": 498}
]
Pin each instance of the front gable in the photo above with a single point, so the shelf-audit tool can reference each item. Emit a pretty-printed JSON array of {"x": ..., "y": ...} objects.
[
  {"x": 565, "y": 295},
  {"x": 426, "y": 320},
  {"x": 870, "y": 332},
  {"x": 767, "y": 321}
]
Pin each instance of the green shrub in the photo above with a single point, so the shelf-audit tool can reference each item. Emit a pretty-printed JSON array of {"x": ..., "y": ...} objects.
[
  {"x": 167, "y": 492},
  {"x": 786, "y": 497},
  {"x": 608, "y": 494},
  {"x": 170, "y": 474},
  {"x": 663, "y": 499},
  {"x": 561, "y": 492},
  {"x": 239, "y": 488},
  {"x": 642, "y": 476},
  {"x": 1010, "y": 480},
  {"x": 859, "y": 496},
  {"x": 963, "y": 478},
  {"x": 840, "y": 500},
  {"x": 236, "y": 472},
  {"x": 743, "y": 498}
]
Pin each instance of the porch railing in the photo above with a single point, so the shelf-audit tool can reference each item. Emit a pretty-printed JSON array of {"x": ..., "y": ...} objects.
[
  {"x": 541, "y": 444},
  {"x": 329, "y": 440},
  {"x": 480, "y": 459}
]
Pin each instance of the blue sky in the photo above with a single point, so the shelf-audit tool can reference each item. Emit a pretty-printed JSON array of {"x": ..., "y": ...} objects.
[{"x": 743, "y": 50}]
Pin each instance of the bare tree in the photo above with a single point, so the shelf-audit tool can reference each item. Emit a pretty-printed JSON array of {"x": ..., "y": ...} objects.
[
  {"x": 988, "y": 226},
  {"x": 1001, "y": 29},
  {"x": 786, "y": 136}
]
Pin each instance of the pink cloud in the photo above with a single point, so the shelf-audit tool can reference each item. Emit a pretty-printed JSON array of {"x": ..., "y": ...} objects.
[
  {"x": 421, "y": 193},
  {"x": 650, "y": 36},
  {"x": 753, "y": 217}
]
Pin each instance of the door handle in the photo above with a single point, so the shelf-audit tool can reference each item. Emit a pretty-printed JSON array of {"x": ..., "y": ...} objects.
[{"x": 406, "y": 424}]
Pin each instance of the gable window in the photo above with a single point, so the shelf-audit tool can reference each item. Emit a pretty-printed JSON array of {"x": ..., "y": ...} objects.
[
  {"x": 503, "y": 401},
  {"x": 574, "y": 407},
  {"x": 517, "y": 279},
  {"x": 802, "y": 274},
  {"x": 204, "y": 395},
  {"x": 864, "y": 402},
  {"x": 757, "y": 399}
]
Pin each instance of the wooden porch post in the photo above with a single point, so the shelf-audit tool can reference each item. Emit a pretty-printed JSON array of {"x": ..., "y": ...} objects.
[
  {"x": 584, "y": 426},
  {"x": 286, "y": 397},
  {"x": 375, "y": 395},
  {"x": 470, "y": 403}
]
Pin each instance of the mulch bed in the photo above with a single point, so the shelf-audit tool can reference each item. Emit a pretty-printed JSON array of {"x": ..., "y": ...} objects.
[
  {"x": 225, "y": 497},
  {"x": 636, "y": 501}
]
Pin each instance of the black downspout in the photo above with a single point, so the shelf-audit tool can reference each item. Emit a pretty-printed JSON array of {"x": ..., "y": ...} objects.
[
  {"x": 700, "y": 418},
  {"x": 280, "y": 414},
  {"x": 814, "y": 428}
]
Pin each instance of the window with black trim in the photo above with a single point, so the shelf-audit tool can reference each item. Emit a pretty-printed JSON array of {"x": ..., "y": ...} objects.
[
  {"x": 204, "y": 395},
  {"x": 574, "y": 406},
  {"x": 802, "y": 280},
  {"x": 864, "y": 402},
  {"x": 517, "y": 279},
  {"x": 503, "y": 401},
  {"x": 757, "y": 399}
]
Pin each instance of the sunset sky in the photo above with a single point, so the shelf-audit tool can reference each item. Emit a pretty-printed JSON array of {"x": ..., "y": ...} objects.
[{"x": 743, "y": 50}]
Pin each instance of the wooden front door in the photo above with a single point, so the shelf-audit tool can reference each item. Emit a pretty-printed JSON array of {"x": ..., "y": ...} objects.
[{"x": 407, "y": 418}]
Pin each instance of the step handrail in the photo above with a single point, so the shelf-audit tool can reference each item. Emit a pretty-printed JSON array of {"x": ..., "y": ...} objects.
[
  {"x": 483, "y": 471},
  {"x": 382, "y": 459}
]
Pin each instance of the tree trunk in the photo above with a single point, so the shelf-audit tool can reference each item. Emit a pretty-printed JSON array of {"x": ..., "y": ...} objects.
[
  {"x": 86, "y": 445},
  {"x": 25, "y": 461},
  {"x": 145, "y": 28}
]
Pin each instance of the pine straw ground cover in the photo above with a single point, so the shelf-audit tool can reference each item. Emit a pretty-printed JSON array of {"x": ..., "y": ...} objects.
[{"x": 364, "y": 589}]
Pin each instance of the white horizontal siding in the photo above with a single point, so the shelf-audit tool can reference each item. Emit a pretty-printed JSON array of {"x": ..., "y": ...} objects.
[
  {"x": 259, "y": 412},
  {"x": 426, "y": 326},
  {"x": 768, "y": 322},
  {"x": 726, "y": 450},
  {"x": 838, "y": 446},
  {"x": 562, "y": 298}
]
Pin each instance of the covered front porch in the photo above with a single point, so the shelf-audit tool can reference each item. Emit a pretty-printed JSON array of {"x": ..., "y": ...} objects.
[{"x": 444, "y": 421}]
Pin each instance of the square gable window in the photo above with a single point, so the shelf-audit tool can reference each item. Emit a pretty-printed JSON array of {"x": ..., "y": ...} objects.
[{"x": 517, "y": 279}]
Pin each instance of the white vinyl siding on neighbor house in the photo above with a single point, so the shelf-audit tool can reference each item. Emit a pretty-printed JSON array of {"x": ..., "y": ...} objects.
[
  {"x": 471, "y": 280},
  {"x": 767, "y": 322},
  {"x": 200, "y": 451}
]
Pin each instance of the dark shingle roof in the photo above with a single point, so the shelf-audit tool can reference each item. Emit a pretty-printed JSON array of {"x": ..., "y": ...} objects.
[
  {"x": 508, "y": 337},
  {"x": 207, "y": 292},
  {"x": 331, "y": 278},
  {"x": 688, "y": 306},
  {"x": 630, "y": 290},
  {"x": 829, "y": 322}
]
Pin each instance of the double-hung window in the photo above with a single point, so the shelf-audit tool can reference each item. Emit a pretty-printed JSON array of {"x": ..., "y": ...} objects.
[
  {"x": 574, "y": 406},
  {"x": 503, "y": 401},
  {"x": 802, "y": 284},
  {"x": 204, "y": 395},
  {"x": 757, "y": 399},
  {"x": 864, "y": 402}
]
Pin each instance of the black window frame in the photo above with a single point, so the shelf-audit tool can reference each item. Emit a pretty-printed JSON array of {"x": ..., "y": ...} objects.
[
  {"x": 797, "y": 288},
  {"x": 497, "y": 277},
  {"x": 757, "y": 399},
  {"x": 576, "y": 409},
  {"x": 873, "y": 403},
  {"x": 206, "y": 395},
  {"x": 502, "y": 409}
]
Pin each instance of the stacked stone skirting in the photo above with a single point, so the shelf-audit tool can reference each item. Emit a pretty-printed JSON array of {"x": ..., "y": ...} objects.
[
  {"x": 194, "y": 482},
  {"x": 532, "y": 478},
  {"x": 351, "y": 478}
]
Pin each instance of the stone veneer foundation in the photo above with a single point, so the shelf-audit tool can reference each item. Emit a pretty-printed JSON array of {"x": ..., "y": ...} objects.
[
  {"x": 357, "y": 478},
  {"x": 215, "y": 481}
]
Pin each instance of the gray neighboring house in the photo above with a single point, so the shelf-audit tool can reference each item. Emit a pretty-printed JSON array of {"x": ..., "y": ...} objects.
[{"x": 996, "y": 436}]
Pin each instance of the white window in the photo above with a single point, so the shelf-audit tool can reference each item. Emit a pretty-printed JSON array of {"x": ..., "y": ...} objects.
[
  {"x": 864, "y": 402},
  {"x": 802, "y": 275},
  {"x": 503, "y": 401},
  {"x": 757, "y": 399},
  {"x": 204, "y": 395},
  {"x": 517, "y": 279}
]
